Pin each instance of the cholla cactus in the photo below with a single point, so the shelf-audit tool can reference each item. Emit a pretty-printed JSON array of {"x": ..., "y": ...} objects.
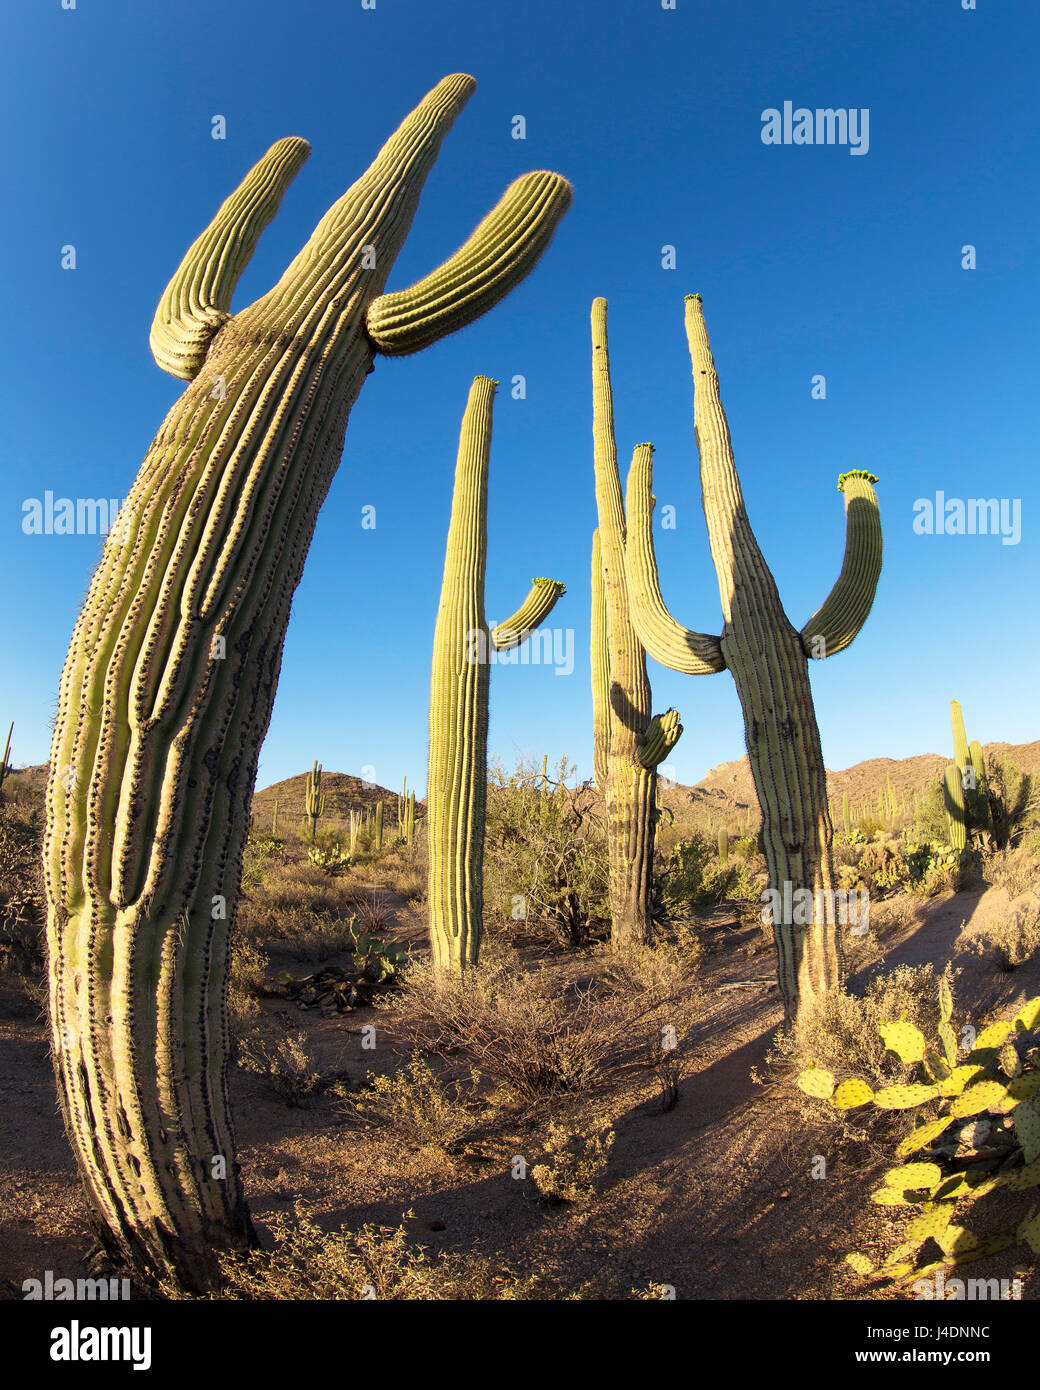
[
  {"x": 768, "y": 660},
  {"x": 630, "y": 743},
  {"x": 993, "y": 1089},
  {"x": 169, "y": 683},
  {"x": 456, "y": 789}
]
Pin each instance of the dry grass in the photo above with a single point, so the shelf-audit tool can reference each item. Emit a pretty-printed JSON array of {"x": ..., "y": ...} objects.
[
  {"x": 573, "y": 1164},
  {"x": 288, "y": 1065},
  {"x": 1014, "y": 939},
  {"x": 417, "y": 1106},
  {"x": 530, "y": 1043},
  {"x": 375, "y": 1262}
]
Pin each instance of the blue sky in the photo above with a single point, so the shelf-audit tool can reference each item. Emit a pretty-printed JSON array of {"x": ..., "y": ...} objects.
[{"x": 811, "y": 260}]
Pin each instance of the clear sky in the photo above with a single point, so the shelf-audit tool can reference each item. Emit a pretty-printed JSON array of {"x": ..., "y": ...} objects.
[{"x": 812, "y": 260}]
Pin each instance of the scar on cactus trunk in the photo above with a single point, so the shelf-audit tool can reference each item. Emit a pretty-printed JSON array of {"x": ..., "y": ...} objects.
[
  {"x": 456, "y": 791},
  {"x": 768, "y": 660},
  {"x": 170, "y": 678},
  {"x": 629, "y": 741}
]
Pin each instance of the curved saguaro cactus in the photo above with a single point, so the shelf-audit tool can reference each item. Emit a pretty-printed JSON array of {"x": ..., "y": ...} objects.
[
  {"x": 629, "y": 742},
  {"x": 456, "y": 788},
  {"x": 767, "y": 658},
  {"x": 169, "y": 683}
]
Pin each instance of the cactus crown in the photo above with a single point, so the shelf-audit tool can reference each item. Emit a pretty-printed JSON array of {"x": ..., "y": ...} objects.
[
  {"x": 855, "y": 473},
  {"x": 696, "y": 296}
]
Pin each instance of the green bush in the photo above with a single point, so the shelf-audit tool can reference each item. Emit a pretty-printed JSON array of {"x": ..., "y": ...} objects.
[{"x": 545, "y": 868}]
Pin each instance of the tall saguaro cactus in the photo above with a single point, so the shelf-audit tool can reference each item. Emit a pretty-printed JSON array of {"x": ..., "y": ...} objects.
[
  {"x": 456, "y": 789},
  {"x": 169, "y": 682},
  {"x": 630, "y": 743},
  {"x": 768, "y": 660}
]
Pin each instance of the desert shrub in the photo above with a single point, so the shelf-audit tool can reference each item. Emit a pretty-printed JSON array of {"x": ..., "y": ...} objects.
[
  {"x": 1015, "y": 937},
  {"x": 1015, "y": 870},
  {"x": 375, "y": 1262},
  {"x": 262, "y": 853},
  {"x": 932, "y": 867},
  {"x": 929, "y": 824},
  {"x": 657, "y": 971},
  {"x": 572, "y": 1164},
  {"x": 695, "y": 877},
  {"x": 545, "y": 870},
  {"x": 23, "y": 911},
  {"x": 249, "y": 965},
  {"x": 287, "y": 1065},
  {"x": 418, "y": 1107},
  {"x": 1012, "y": 804},
  {"x": 532, "y": 1045},
  {"x": 839, "y": 1031}
]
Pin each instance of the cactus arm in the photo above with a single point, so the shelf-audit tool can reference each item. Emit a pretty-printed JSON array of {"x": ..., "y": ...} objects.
[
  {"x": 600, "y": 670},
  {"x": 196, "y": 303},
  {"x": 961, "y": 752},
  {"x": 844, "y": 611},
  {"x": 693, "y": 653},
  {"x": 498, "y": 254},
  {"x": 661, "y": 736},
  {"x": 534, "y": 610}
]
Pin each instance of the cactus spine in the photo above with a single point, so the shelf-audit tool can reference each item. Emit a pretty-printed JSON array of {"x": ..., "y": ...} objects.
[
  {"x": 768, "y": 660},
  {"x": 456, "y": 789},
  {"x": 630, "y": 742},
  {"x": 170, "y": 679}
]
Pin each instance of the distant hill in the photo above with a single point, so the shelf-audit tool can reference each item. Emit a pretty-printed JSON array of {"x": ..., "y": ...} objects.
[
  {"x": 728, "y": 791},
  {"x": 725, "y": 795},
  {"x": 343, "y": 794}
]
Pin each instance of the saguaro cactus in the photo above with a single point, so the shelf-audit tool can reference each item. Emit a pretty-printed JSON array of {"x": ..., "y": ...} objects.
[
  {"x": 314, "y": 799},
  {"x": 768, "y": 660},
  {"x": 378, "y": 842},
  {"x": 629, "y": 741},
  {"x": 5, "y": 766},
  {"x": 456, "y": 788},
  {"x": 170, "y": 679},
  {"x": 964, "y": 784}
]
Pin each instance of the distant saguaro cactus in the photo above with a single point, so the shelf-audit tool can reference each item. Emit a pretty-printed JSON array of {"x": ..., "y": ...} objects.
[
  {"x": 768, "y": 660},
  {"x": 314, "y": 799},
  {"x": 630, "y": 742},
  {"x": 170, "y": 679},
  {"x": 456, "y": 788}
]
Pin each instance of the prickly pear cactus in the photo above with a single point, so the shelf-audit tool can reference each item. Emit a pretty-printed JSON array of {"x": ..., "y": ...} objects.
[{"x": 978, "y": 1132}]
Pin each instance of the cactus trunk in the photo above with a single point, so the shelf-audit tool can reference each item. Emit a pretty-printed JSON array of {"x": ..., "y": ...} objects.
[
  {"x": 169, "y": 683},
  {"x": 629, "y": 742}
]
